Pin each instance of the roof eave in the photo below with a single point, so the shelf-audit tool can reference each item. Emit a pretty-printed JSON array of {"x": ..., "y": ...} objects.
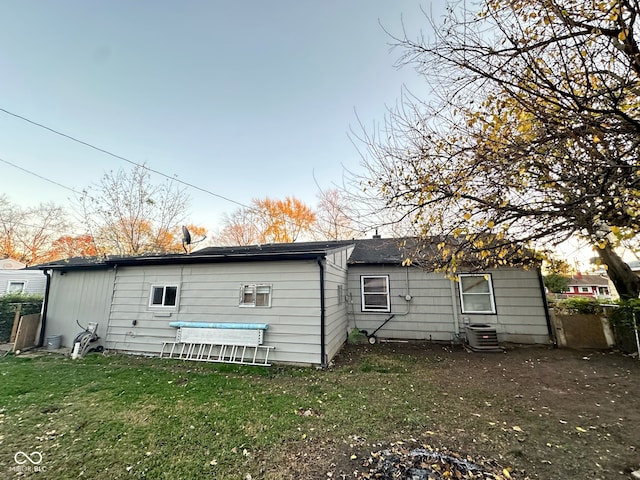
[
  {"x": 186, "y": 260},
  {"x": 194, "y": 259}
]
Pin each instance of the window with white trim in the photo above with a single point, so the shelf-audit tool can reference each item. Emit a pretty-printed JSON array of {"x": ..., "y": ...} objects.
[
  {"x": 163, "y": 296},
  {"x": 374, "y": 291},
  {"x": 254, "y": 295},
  {"x": 585, "y": 289},
  {"x": 476, "y": 293},
  {"x": 16, "y": 286}
]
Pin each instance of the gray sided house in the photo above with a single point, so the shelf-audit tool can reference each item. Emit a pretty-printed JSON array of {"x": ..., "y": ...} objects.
[
  {"x": 22, "y": 280},
  {"x": 292, "y": 288},
  {"x": 308, "y": 296},
  {"x": 423, "y": 305}
]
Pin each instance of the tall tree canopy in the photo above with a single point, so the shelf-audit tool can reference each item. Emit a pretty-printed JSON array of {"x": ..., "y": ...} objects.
[
  {"x": 128, "y": 215},
  {"x": 334, "y": 217},
  {"x": 267, "y": 220},
  {"x": 27, "y": 234},
  {"x": 239, "y": 228},
  {"x": 532, "y": 134},
  {"x": 68, "y": 246},
  {"x": 283, "y": 221}
]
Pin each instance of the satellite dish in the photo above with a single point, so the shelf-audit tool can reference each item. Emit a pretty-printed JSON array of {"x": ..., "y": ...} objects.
[{"x": 186, "y": 236}]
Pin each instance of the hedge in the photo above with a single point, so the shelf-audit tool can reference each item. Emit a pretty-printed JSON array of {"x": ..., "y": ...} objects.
[{"x": 9, "y": 303}]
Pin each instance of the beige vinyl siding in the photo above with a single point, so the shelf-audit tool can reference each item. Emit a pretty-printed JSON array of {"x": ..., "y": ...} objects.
[
  {"x": 520, "y": 311},
  {"x": 335, "y": 307},
  {"x": 428, "y": 316},
  {"x": 82, "y": 296},
  {"x": 434, "y": 311},
  {"x": 520, "y": 307},
  {"x": 210, "y": 293}
]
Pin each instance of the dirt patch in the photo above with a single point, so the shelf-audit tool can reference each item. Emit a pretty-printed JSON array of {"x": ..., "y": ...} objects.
[{"x": 538, "y": 413}]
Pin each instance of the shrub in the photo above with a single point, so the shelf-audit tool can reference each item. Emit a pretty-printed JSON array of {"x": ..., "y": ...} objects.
[
  {"x": 623, "y": 315},
  {"x": 8, "y": 304},
  {"x": 556, "y": 283},
  {"x": 586, "y": 305},
  {"x": 357, "y": 337},
  {"x": 623, "y": 325}
]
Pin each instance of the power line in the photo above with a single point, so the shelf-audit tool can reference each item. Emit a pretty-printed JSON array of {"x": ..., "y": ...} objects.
[
  {"x": 119, "y": 157},
  {"x": 39, "y": 176},
  {"x": 42, "y": 177},
  {"x": 4, "y": 224}
]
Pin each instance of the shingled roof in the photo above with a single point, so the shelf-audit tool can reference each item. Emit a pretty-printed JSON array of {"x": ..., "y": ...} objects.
[
  {"x": 275, "y": 248},
  {"x": 374, "y": 251},
  {"x": 390, "y": 251},
  {"x": 589, "y": 280},
  {"x": 272, "y": 251}
]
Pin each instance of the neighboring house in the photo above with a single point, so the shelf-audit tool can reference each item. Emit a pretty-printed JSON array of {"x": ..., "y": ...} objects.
[
  {"x": 583, "y": 285},
  {"x": 309, "y": 294},
  {"x": 14, "y": 278},
  {"x": 10, "y": 263}
]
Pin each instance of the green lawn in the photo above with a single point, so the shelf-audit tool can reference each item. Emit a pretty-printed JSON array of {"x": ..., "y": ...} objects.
[
  {"x": 116, "y": 416},
  {"x": 133, "y": 417}
]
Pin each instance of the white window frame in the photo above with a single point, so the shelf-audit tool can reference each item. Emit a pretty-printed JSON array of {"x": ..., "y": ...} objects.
[
  {"x": 16, "y": 282},
  {"x": 254, "y": 290},
  {"x": 164, "y": 288},
  {"x": 585, "y": 289},
  {"x": 365, "y": 307},
  {"x": 492, "y": 300}
]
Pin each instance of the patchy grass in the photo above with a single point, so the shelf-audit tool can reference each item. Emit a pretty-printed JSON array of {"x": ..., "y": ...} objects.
[{"x": 542, "y": 413}]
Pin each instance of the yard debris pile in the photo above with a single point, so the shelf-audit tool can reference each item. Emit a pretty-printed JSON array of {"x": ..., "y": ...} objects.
[{"x": 400, "y": 463}]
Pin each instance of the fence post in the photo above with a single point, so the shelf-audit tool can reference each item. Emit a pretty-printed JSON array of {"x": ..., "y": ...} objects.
[
  {"x": 634, "y": 314},
  {"x": 16, "y": 321}
]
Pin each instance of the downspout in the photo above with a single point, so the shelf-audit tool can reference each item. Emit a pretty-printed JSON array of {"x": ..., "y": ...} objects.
[
  {"x": 45, "y": 306},
  {"x": 454, "y": 304},
  {"x": 546, "y": 308},
  {"x": 323, "y": 352}
]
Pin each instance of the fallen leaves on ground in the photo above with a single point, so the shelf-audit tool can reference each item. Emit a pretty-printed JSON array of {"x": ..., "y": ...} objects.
[{"x": 425, "y": 463}]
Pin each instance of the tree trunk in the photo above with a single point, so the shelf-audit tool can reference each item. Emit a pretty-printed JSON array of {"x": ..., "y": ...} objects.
[{"x": 626, "y": 282}]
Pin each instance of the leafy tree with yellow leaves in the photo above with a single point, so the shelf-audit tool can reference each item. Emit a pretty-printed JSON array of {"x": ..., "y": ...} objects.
[
  {"x": 267, "y": 220},
  {"x": 532, "y": 134}
]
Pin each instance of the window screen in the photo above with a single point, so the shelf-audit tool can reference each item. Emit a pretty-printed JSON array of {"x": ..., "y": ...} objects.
[
  {"x": 375, "y": 293},
  {"x": 476, "y": 294}
]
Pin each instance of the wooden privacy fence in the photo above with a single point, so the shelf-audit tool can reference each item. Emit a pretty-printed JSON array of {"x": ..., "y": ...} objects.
[
  {"x": 27, "y": 332},
  {"x": 11, "y": 308},
  {"x": 24, "y": 331},
  {"x": 581, "y": 330}
]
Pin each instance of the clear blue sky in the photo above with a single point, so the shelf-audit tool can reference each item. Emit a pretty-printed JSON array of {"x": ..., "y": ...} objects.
[{"x": 243, "y": 98}]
